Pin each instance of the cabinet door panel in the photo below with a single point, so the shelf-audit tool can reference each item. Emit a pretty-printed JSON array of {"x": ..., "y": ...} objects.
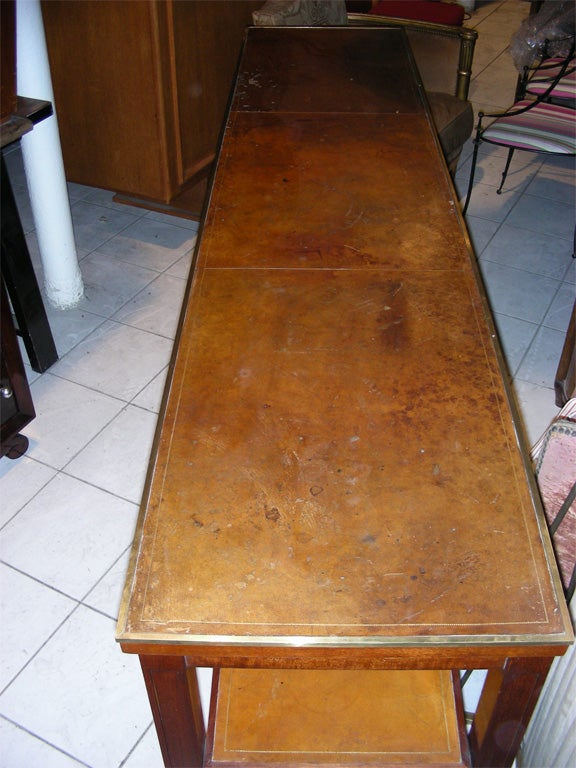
[
  {"x": 109, "y": 97},
  {"x": 207, "y": 41}
]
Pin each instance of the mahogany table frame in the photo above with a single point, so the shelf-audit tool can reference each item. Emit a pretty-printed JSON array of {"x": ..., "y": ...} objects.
[
  {"x": 518, "y": 658},
  {"x": 18, "y": 273}
]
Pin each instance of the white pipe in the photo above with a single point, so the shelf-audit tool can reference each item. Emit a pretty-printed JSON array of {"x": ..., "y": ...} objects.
[{"x": 44, "y": 166}]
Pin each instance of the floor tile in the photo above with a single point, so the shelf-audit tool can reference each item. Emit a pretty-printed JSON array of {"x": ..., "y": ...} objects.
[
  {"x": 116, "y": 359},
  {"x": 541, "y": 361},
  {"x": 70, "y": 326},
  {"x": 105, "y": 198},
  {"x": 537, "y": 408},
  {"x": 532, "y": 251},
  {"x": 182, "y": 267},
  {"x": 117, "y": 459},
  {"x": 110, "y": 283},
  {"x": 150, "y": 397},
  {"x": 178, "y": 221},
  {"x": 558, "y": 316},
  {"x": 518, "y": 293},
  {"x": 472, "y": 689},
  {"x": 147, "y": 310},
  {"x": 20, "y": 480},
  {"x": 97, "y": 707},
  {"x": 96, "y": 224},
  {"x": 544, "y": 215},
  {"x": 78, "y": 191},
  {"x": 34, "y": 253},
  {"x": 152, "y": 244},
  {"x": 490, "y": 167},
  {"x": 23, "y": 750},
  {"x": 31, "y": 375},
  {"x": 68, "y": 416},
  {"x": 26, "y": 623},
  {"x": 204, "y": 677},
  {"x": 37, "y": 262},
  {"x": 466, "y": 154},
  {"x": 23, "y": 205},
  {"x": 555, "y": 180},
  {"x": 515, "y": 338},
  {"x": 15, "y": 165},
  {"x": 147, "y": 753},
  {"x": 496, "y": 88},
  {"x": 570, "y": 276},
  {"x": 106, "y": 595},
  {"x": 484, "y": 55},
  {"x": 481, "y": 231},
  {"x": 486, "y": 204},
  {"x": 36, "y": 259},
  {"x": 73, "y": 546}
]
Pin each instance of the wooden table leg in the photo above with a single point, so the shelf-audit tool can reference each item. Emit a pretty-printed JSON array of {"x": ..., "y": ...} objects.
[
  {"x": 174, "y": 696},
  {"x": 506, "y": 705},
  {"x": 20, "y": 279}
]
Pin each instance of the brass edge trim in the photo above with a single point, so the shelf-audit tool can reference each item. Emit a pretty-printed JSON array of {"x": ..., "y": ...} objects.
[{"x": 480, "y": 642}]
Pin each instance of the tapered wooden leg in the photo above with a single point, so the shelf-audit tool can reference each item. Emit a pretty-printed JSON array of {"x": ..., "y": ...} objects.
[
  {"x": 506, "y": 705},
  {"x": 175, "y": 700},
  {"x": 20, "y": 279}
]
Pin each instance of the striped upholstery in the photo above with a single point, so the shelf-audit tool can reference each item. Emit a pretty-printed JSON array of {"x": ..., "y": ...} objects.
[
  {"x": 539, "y": 125},
  {"x": 565, "y": 88},
  {"x": 544, "y": 127}
]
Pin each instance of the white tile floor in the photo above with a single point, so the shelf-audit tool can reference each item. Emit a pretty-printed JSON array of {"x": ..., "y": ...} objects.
[{"x": 68, "y": 696}]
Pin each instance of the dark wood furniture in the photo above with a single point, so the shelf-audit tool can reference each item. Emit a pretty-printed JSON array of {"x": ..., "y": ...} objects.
[
  {"x": 7, "y": 58},
  {"x": 141, "y": 88},
  {"x": 565, "y": 381},
  {"x": 20, "y": 295},
  {"x": 16, "y": 407},
  {"x": 337, "y": 480},
  {"x": 17, "y": 270}
]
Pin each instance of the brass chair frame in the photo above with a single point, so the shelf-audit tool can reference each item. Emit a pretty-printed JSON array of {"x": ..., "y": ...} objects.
[{"x": 467, "y": 40}]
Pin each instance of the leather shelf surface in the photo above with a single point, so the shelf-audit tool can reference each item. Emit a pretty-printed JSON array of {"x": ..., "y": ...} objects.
[{"x": 342, "y": 718}]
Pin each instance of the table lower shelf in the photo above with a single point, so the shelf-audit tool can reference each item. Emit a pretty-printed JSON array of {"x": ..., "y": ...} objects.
[{"x": 336, "y": 718}]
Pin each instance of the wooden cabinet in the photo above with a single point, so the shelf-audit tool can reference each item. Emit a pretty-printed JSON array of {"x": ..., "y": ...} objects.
[
  {"x": 141, "y": 89},
  {"x": 7, "y": 58}
]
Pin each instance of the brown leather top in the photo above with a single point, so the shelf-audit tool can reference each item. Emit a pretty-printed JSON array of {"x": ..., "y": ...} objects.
[{"x": 337, "y": 461}]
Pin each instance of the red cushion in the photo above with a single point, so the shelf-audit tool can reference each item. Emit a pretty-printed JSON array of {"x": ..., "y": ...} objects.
[{"x": 421, "y": 10}]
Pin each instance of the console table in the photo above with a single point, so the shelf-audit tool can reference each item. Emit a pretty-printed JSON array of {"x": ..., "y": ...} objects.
[{"x": 337, "y": 482}]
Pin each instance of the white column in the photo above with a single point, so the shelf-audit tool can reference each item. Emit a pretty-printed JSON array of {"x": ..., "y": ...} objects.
[{"x": 44, "y": 166}]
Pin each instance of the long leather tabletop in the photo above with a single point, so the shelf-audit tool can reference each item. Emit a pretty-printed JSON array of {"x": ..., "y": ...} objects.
[{"x": 337, "y": 460}]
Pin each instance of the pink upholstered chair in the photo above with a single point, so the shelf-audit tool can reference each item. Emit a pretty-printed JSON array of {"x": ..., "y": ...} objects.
[{"x": 554, "y": 459}]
